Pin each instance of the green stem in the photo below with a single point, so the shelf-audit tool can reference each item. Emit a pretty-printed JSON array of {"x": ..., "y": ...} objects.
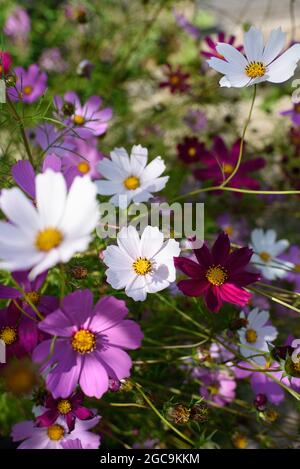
[
  {"x": 21, "y": 126},
  {"x": 242, "y": 142},
  {"x": 162, "y": 418}
]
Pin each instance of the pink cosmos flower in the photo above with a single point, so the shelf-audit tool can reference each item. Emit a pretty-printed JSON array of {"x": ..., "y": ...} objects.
[
  {"x": 53, "y": 141},
  {"x": 24, "y": 174},
  {"x": 87, "y": 120},
  {"x": 217, "y": 386},
  {"x": 17, "y": 25},
  {"x": 69, "y": 409},
  {"x": 82, "y": 160},
  {"x": 5, "y": 63},
  {"x": 212, "y": 44},
  {"x": 220, "y": 162},
  {"x": 31, "y": 84},
  {"x": 56, "y": 436},
  {"x": 91, "y": 341},
  {"x": 218, "y": 275}
]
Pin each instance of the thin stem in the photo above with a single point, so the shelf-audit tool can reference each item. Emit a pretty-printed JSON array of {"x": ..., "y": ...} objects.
[
  {"x": 22, "y": 130},
  {"x": 163, "y": 419},
  {"x": 242, "y": 142}
]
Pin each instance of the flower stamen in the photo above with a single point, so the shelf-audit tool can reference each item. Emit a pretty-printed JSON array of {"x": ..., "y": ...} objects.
[
  {"x": 142, "y": 266},
  {"x": 216, "y": 275},
  {"x": 255, "y": 69}
]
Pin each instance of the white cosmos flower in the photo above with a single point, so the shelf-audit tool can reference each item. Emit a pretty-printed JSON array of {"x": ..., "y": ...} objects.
[
  {"x": 141, "y": 265},
  {"x": 266, "y": 251},
  {"x": 256, "y": 335},
  {"x": 260, "y": 62},
  {"x": 130, "y": 178},
  {"x": 38, "y": 237}
]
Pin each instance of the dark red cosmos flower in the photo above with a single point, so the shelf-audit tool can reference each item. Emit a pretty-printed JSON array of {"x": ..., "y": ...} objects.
[
  {"x": 212, "y": 44},
  {"x": 5, "y": 63},
  {"x": 190, "y": 150},
  {"x": 218, "y": 275},
  {"x": 70, "y": 409},
  {"x": 220, "y": 162},
  {"x": 176, "y": 80}
]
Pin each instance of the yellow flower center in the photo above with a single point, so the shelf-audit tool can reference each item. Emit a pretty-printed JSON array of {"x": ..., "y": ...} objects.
[
  {"x": 9, "y": 335},
  {"x": 131, "y": 183},
  {"x": 48, "y": 239},
  {"x": 83, "y": 167},
  {"x": 192, "y": 152},
  {"x": 216, "y": 275},
  {"x": 27, "y": 90},
  {"x": 255, "y": 69},
  {"x": 229, "y": 230},
  {"x": 251, "y": 336},
  {"x": 265, "y": 256},
  {"x": 84, "y": 341},
  {"x": 64, "y": 406},
  {"x": 32, "y": 297},
  {"x": 174, "y": 79},
  {"x": 228, "y": 168},
  {"x": 296, "y": 268},
  {"x": 78, "y": 120},
  {"x": 240, "y": 441},
  {"x": 142, "y": 266},
  {"x": 56, "y": 432},
  {"x": 297, "y": 107}
]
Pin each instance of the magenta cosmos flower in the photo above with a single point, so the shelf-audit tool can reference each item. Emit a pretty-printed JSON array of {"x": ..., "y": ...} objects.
[
  {"x": 190, "y": 150},
  {"x": 5, "y": 63},
  {"x": 57, "y": 435},
  {"x": 86, "y": 120},
  {"x": 217, "y": 386},
  {"x": 30, "y": 292},
  {"x": 212, "y": 44},
  {"x": 19, "y": 333},
  {"x": 82, "y": 160},
  {"x": 30, "y": 84},
  {"x": 218, "y": 275},
  {"x": 220, "y": 162},
  {"x": 176, "y": 80},
  {"x": 69, "y": 409},
  {"x": 89, "y": 346}
]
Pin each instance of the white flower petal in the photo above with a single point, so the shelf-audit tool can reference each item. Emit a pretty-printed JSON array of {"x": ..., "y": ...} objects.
[
  {"x": 109, "y": 187},
  {"x": 138, "y": 159},
  {"x": 117, "y": 258},
  {"x": 151, "y": 241},
  {"x": 128, "y": 240},
  {"x": 121, "y": 158},
  {"x": 234, "y": 57},
  {"x": 235, "y": 80},
  {"x": 279, "y": 247},
  {"x": 14, "y": 236},
  {"x": 274, "y": 45},
  {"x": 254, "y": 44},
  {"x": 111, "y": 170},
  {"x": 283, "y": 67},
  {"x": 51, "y": 193},
  {"x": 220, "y": 65},
  {"x": 153, "y": 170},
  {"x": 20, "y": 210},
  {"x": 119, "y": 278},
  {"x": 49, "y": 260},
  {"x": 156, "y": 184},
  {"x": 137, "y": 288}
]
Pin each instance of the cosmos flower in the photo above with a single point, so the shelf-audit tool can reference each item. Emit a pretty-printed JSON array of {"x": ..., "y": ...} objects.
[
  {"x": 5, "y": 63},
  {"x": 60, "y": 225},
  {"x": 17, "y": 331},
  {"x": 69, "y": 409},
  {"x": 56, "y": 435},
  {"x": 24, "y": 174},
  {"x": 293, "y": 113},
  {"x": 176, "y": 80},
  {"x": 266, "y": 252},
  {"x": 212, "y": 45},
  {"x": 220, "y": 163},
  {"x": 87, "y": 120},
  {"x": 190, "y": 150},
  {"x": 85, "y": 68},
  {"x": 218, "y": 275},
  {"x": 17, "y": 25},
  {"x": 141, "y": 265},
  {"x": 235, "y": 228},
  {"x": 260, "y": 63},
  {"x": 83, "y": 160},
  {"x": 30, "y": 84},
  {"x": 130, "y": 178},
  {"x": 195, "y": 119},
  {"x": 186, "y": 25},
  {"x": 293, "y": 258},
  {"x": 91, "y": 341},
  {"x": 51, "y": 60},
  {"x": 256, "y": 336},
  {"x": 53, "y": 141},
  {"x": 29, "y": 291},
  {"x": 217, "y": 386}
]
